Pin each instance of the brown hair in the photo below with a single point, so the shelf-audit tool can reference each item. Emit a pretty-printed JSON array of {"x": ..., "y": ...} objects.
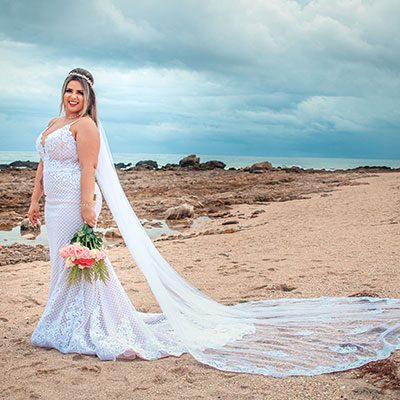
[{"x": 89, "y": 97}]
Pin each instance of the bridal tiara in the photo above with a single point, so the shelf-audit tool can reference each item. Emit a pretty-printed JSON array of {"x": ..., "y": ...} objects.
[{"x": 82, "y": 76}]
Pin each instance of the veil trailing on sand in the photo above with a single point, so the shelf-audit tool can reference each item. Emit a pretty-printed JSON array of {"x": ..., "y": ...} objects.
[{"x": 271, "y": 337}]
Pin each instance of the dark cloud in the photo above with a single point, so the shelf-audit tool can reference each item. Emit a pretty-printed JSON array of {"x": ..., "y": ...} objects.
[{"x": 306, "y": 76}]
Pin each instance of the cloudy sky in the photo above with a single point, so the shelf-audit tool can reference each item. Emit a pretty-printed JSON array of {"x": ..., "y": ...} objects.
[{"x": 246, "y": 77}]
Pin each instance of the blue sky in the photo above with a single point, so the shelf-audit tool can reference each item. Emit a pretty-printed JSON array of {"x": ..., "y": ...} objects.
[{"x": 246, "y": 77}]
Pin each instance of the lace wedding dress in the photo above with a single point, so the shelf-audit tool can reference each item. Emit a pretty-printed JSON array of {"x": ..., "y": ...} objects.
[{"x": 271, "y": 337}]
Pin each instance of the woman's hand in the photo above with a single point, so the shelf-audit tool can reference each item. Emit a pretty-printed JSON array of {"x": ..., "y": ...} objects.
[
  {"x": 89, "y": 215},
  {"x": 33, "y": 212}
]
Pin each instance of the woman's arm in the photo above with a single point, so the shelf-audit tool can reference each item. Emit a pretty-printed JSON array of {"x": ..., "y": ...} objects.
[
  {"x": 88, "y": 146},
  {"x": 38, "y": 191}
]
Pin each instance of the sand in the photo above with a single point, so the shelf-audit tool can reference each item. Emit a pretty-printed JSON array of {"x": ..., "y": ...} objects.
[{"x": 338, "y": 243}]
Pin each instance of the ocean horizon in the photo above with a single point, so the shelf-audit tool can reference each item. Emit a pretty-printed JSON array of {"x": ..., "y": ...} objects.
[{"x": 235, "y": 161}]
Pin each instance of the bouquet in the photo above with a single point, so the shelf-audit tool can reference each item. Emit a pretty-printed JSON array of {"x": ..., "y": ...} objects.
[{"x": 85, "y": 256}]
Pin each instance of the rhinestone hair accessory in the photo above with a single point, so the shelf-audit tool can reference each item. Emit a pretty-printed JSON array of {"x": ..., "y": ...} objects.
[{"x": 82, "y": 76}]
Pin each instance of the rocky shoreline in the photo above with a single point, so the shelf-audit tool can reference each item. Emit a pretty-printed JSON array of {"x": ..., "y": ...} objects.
[
  {"x": 208, "y": 187},
  {"x": 192, "y": 161},
  {"x": 178, "y": 193}
]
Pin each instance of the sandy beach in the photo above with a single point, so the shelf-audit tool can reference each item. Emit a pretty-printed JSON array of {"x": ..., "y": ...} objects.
[{"x": 334, "y": 237}]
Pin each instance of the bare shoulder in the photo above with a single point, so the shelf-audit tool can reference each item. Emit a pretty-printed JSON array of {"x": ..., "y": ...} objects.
[
  {"x": 86, "y": 122},
  {"x": 86, "y": 129},
  {"x": 52, "y": 121}
]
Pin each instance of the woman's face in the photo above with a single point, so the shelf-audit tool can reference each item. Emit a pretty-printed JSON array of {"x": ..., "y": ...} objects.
[{"x": 73, "y": 98}]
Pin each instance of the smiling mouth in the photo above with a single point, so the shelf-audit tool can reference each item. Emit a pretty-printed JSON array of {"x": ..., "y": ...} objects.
[{"x": 72, "y": 103}]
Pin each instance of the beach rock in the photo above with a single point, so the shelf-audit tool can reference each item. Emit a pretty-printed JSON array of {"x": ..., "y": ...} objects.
[
  {"x": 230, "y": 230},
  {"x": 260, "y": 166},
  {"x": 264, "y": 196},
  {"x": 294, "y": 169},
  {"x": 183, "y": 211},
  {"x": 29, "y": 236},
  {"x": 371, "y": 167},
  {"x": 284, "y": 287},
  {"x": 9, "y": 218},
  {"x": 18, "y": 253},
  {"x": 256, "y": 213},
  {"x": 113, "y": 233},
  {"x": 190, "y": 161},
  {"x": 128, "y": 168},
  {"x": 212, "y": 164},
  {"x": 152, "y": 224},
  {"x": 208, "y": 232},
  {"x": 24, "y": 164},
  {"x": 122, "y": 165},
  {"x": 29, "y": 231},
  {"x": 230, "y": 222},
  {"x": 169, "y": 166},
  {"x": 147, "y": 164}
]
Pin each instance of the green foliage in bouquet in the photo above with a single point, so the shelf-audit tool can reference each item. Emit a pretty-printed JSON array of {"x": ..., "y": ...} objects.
[
  {"x": 88, "y": 237},
  {"x": 91, "y": 239}
]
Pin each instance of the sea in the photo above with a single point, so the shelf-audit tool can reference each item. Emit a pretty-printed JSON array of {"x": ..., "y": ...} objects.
[{"x": 234, "y": 161}]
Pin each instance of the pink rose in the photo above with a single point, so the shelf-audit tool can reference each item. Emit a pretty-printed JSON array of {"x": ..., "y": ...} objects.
[{"x": 67, "y": 251}]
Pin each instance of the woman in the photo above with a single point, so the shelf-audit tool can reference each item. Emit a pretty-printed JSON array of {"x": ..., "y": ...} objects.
[
  {"x": 272, "y": 337},
  {"x": 85, "y": 318}
]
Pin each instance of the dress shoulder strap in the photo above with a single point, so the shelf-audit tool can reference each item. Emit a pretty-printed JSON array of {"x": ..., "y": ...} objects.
[
  {"x": 52, "y": 122},
  {"x": 74, "y": 122}
]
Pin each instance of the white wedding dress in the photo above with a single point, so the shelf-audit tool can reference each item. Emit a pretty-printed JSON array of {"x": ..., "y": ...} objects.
[{"x": 271, "y": 337}]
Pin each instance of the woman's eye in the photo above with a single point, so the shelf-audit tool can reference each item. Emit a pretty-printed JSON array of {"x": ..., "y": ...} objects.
[{"x": 70, "y": 91}]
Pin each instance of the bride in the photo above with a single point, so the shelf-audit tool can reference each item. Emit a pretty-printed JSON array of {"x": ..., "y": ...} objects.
[{"x": 271, "y": 337}]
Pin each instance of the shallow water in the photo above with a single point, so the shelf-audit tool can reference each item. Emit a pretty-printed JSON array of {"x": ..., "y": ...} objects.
[
  {"x": 14, "y": 236},
  {"x": 161, "y": 227}
]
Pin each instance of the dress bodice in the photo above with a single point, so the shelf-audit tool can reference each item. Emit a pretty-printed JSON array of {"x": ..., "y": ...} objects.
[
  {"x": 58, "y": 146},
  {"x": 61, "y": 169}
]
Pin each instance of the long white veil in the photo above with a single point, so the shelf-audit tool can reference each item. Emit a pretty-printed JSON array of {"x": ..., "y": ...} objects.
[{"x": 271, "y": 337}]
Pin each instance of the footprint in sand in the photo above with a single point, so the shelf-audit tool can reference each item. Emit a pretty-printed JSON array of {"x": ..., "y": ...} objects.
[
  {"x": 159, "y": 379},
  {"x": 140, "y": 388},
  {"x": 48, "y": 371},
  {"x": 223, "y": 254},
  {"x": 91, "y": 368},
  {"x": 283, "y": 287},
  {"x": 179, "y": 370},
  {"x": 29, "y": 298}
]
